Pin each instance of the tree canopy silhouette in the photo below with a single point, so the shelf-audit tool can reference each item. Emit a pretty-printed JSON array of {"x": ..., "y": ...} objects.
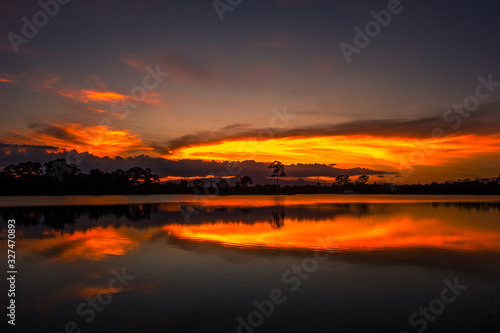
[
  {"x": 278, "y": 170},
  {"x": 244, "y": 181},
  {"x": 343, "y": 180},
  {"x": 362, "y": 180},
  {"x": 60, "y": 178}
]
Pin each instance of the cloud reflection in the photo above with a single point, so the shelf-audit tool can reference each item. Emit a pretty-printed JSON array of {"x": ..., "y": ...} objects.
[{"x": 95, "y": 244}]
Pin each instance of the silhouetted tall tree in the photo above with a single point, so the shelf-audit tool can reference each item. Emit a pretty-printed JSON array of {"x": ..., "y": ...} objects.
[{"x": 278, "y": 170}]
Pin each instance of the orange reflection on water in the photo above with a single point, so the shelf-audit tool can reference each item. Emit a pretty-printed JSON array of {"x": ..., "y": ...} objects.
[
  {"x": 346, "y": 233},
  {"x": 93, "y": 244},
  {"x": 258, "y": 201}
]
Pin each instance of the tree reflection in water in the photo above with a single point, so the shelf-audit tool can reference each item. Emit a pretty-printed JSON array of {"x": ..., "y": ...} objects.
[{"x": 278, "y": 219}]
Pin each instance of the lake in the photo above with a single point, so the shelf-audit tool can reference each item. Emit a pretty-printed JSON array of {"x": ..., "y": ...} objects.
[{"x": 304, "y": 263}]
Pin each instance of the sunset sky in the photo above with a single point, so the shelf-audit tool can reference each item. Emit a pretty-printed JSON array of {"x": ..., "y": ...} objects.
[{"x": 268, "y": 82}]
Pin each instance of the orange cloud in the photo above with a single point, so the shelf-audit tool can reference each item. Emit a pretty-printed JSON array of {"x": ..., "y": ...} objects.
[
  {"x": 7, "y": 78},
  {"x": 99, "y": 96},
  {"x": 347, "y": 151},
  {"x": 98, "y": 140},
  {"x": 98, "y": 100},
  {"x": 87, "y": 96}
]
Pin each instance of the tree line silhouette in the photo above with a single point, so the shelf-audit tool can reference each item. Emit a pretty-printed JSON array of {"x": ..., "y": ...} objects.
[{"x": 60, "y": 178}]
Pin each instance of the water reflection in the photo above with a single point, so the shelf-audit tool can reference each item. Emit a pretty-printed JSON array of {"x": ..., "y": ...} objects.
[
  {"x": 59, "y": 217},
  {"x": 96, "y": 232},
  {"x": 385, "y": 260},
  {"x": 278, "y": 215},
  {"x": 96, "y": 243}
]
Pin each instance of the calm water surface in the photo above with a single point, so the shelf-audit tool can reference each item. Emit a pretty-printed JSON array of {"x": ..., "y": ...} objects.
[{"x": 329, "y": 262}]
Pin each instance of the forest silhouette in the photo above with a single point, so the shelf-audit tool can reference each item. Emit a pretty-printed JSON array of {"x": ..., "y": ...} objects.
[{"x": 60, "y": 178}]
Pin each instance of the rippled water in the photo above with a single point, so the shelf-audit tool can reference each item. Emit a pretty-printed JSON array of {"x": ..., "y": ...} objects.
[{"x": 329, "y": 262}]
